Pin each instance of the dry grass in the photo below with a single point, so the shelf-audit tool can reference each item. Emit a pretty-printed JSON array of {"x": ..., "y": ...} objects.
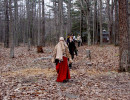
[{"x": 32, "y": 72}]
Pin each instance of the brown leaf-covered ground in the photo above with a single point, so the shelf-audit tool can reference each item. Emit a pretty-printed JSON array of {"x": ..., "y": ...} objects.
[{"x": 27, "y": 77}]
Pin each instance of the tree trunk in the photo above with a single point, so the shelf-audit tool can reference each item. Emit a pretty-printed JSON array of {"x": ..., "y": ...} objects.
[
  {"x": 94, "y": 21},
  {"x": 81, "y": 24},
  {"x": 11, "y": 31},
  {"x": 88, "y": 28},
  {"x": 108, "y": 14},
  {"x": 116, "y": 39},
  {"x": 6, "y": 38},
  {"x": 111, "y": 23},
  {"x": 16, "y": 23},
  {"x": 97, "y": 25},
  {"x": 69, "y": 17},
  {"x": 61, "y": 17},
  {"x": 123, "y": 30},
  {"x": 88, "y": 22},
  {"x": 39, "y": 24},
  {"x": 101, "y": 39},
  {"x": 129, "y": 35},
  {"x": 28, "y": 23},
  {"x": 43, "y": 23}
]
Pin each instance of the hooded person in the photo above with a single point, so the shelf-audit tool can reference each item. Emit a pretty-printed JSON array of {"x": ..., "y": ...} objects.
[{"x": 60, "y": 57}]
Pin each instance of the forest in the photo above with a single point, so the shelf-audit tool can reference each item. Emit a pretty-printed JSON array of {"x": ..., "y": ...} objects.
[{"x": 29, "y": 31}]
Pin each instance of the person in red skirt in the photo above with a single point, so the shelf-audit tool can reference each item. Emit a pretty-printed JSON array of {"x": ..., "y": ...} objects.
[{"x": 60, "y": 57}]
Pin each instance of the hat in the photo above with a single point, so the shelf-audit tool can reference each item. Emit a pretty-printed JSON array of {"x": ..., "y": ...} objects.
[{"x": 61, "y": 39}]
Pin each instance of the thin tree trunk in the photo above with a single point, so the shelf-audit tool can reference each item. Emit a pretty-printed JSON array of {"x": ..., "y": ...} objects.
[
  {"x": 28, "y": 23},
  {"x": 39, "y": 24},
  {"x": 55, "y": 22},
  {"x": 88, "y": 23},
  {"x": 11, "y": 31},
  {"x": 88, "y": 29},
  {"x": 81, "y": 23},
  {"x": 61, "y": 17},
  {"x": 24, "y": 25},
  {"x": 101, "y": 39},
  {"x": 16, "y": 22},
  {"x": 94, "y": 21},
  {"x": 43, "y": 23},
  {"x": 69, "y": 17},
  {"x": 97, "y": 25},
  {"x": 111, "y": 23},
  {"x": 128, "y": 34},
  {"x": 6, "y": 38},
  {"x": 116, "y": 24},
  {"x": 108, "y": 14}
]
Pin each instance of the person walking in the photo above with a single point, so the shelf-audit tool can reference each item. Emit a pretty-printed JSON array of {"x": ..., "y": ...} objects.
[
  {"x": 60, "y": 57},
  {"x": 72, "y": 49},
  {"x": 79, "y": 40}
]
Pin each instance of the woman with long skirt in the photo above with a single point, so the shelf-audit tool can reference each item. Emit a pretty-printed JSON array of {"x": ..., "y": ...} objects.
[{"x": 60, "y": 57}]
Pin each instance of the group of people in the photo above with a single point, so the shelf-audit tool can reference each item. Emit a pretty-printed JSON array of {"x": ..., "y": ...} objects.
[
  {"x": 78, "y": 39},
  {"x": 63, "y": 56}
]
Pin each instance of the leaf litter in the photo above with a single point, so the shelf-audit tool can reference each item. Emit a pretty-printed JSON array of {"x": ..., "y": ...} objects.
[{"x": 28, "y": 77}]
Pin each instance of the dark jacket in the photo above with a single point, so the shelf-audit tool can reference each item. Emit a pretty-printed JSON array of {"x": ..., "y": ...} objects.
[{"x": 72, "y": 47}]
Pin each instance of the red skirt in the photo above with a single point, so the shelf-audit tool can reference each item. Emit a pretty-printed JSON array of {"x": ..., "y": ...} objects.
[{"x": 63, "y": 70}]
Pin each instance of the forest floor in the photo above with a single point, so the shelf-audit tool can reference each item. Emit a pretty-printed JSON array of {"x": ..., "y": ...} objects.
[{"x": 28, "y": 77}]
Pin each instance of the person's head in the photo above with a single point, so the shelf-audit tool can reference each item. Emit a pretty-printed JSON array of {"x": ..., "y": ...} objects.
[
  {"x": 71, "y": 38},
  {"x": 61, "y": 39}
]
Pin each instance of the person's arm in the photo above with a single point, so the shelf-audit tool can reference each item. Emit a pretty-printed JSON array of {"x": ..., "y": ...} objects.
[
  {"x": 54, "y": 55},
  {"x": 68, "y": 55}
]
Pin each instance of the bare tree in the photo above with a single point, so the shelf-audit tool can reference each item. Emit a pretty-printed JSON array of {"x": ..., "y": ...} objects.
[
  {"x": 116, "y": 35},
  {"x": 43, "y": 23},
  {"x": 6, "y": 38},
  {"x": 61, "y": 21},
  {"x": 16, "y": 22},
  {"x": 11, "y": 30},
  {"x": 86, "y": 10},
  {"x": 39, "y": 24},
  {"x": 101, "y": 39},
  {"x": 129, "y": 35},
  {"x": 94, "y": 20},
  {"x": 88, "y": 22},
  {"x": 123, "y": 30},
  {"x": 111, "y": 24},
  {"x": 69, "y": 17}
]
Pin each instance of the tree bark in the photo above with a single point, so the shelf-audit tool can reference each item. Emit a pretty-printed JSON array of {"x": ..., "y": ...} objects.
[
  {"x": 28, "y": 23},
  {"x": 11, "y": 31},
  {"x": 43, "y": 23},
  {"x": 111, "y": 24},
  {"x": 116, "y": 39},
  {"x": 39, "y": 24},
  {"x": 55, "y": 22},
  {"x": 69, "y": 17},
  {"x": 94, "y": 21},
  {"x": 101, "y": 39},
  {"x": 16, "y": 38},
  {"x": 123, "y": 30},
  {"x": 108, "y": 14},
  {"x": 129, "y": 35},
  {"x": 6, "y": 38},
  {"x": 61, "y": 17}
]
